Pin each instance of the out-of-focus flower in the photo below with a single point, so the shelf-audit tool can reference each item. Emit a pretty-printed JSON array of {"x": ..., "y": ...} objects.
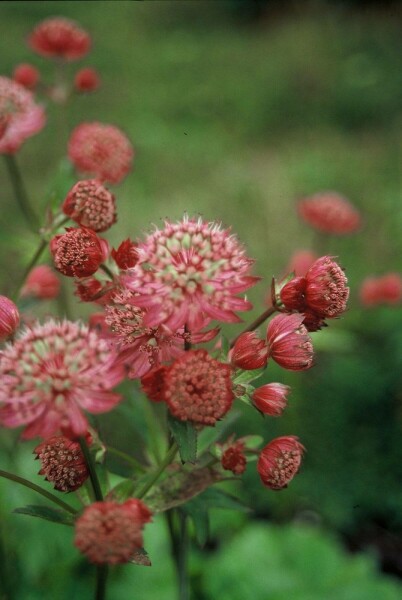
[
  {"x": 152, "y": 383},
  {"x": 271, "y": 398},
  {"x": 198, "y": 388},
  {"x": 108, "y": 532},
  {"x": 386, "y": 289},
  {"x": 190, "y": 273},
  {"x": 9, "y": 317},
  {"x": 53, "y": 372},
  {"x": 126, "y": 255},
  {"x": 280, "y": 461},
  {"x": 101, "y": 150},
  {"x": 249, "y": 352},
  {"x": 86, "y": 80},
  {"x": 90, "y": 289},
  {"x": 26, "y": 75},
  {"x": 79, "y": 252},
  {"x": 330, "y": 212},
  {"x": 58, "y": 37},
  {"x": 20, "y": 117},
  {"x": 300, "y": 262},
  {"x": 233, "y": 458},
  {"x": 289, "y": 343},
  {"x": 391, "y": 288},
  {"x": 90, "y": 204},
  {"x": 63, "y": 463},
  {"x": 42, "y": 282}
]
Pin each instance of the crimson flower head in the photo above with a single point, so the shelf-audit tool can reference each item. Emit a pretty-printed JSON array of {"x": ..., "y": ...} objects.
[
  {"x": 381, "y": 290},
  {"x": 233, "y": 458},
  {"x": 20, "y": 117},
  {"x": 330, "y": 212},
  {"x": 152, "y": 383},
  {"x": 9, "y": 317},
  {"x": 280, "y": 461},
  {"x": 101, "y": 150},
  {"x": 111, "y": 533},
  {"x": 58, "y": 37},
  {"x": 190, "y": 273},
  {"x": 198, "y": 388},
  {"x": 91, "y": 204},
  {"x": 78, "y": 252},
  {"x": 271, "y": 398},
  {"x": 53, "y": 372},
  {"x": 289, "y": 343},
  {"x": 391, "y": 288},
  {"x": 26, "y": 75},
  {"x": 42, "y": 282},
  {"x": 63, "y": 463},
  {"x": 126, "y": 255},
  {"x": 86, "y": 80},
  {"x": 249, "y": 352}
]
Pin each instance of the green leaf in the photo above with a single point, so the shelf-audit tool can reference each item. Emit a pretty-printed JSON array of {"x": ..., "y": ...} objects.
[
  {"x": 246, "y": 399},
  {"x": 215, "y": 498},
  {"x": 186, "y": 438},
  {"x": 200, "y": 518},
  {"x": 247, "y": 376},
  {"x": 252, "y": 442},
  {"x": 46, "y": 512},
  {"x": 122, "y": 490}
]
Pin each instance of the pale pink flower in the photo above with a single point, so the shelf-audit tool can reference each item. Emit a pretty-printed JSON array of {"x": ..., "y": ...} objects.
[
  {"x": 53, "y": 372},
  {"x": 189, "y": 273},
  {"x": 20, "y": 117}
]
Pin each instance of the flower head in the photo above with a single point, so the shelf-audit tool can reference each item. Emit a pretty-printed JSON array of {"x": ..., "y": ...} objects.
[
  {"x": 271, "y": 398},
  {"x": 289, "y": 343},
  {"x": 198, "y": 388},
  {"x": 58, "y": 37},
  {"x": 190, "y": 273},
  {"x": 126, "y": 255},
  {"x": 249, "y": 352},
  {"x": 53, "y": 372},
  {"x": 381, "y": 290},
  {"x": 26, "y": 75},
  {"x": 233, "y": 458},
  {"x": 152, "y": 383},
  {"x": 101, "y": 150},
  {"x": 42, "y": 282},
  {"x": 90, "y": 204},
  {"x": 86, "y": 80},
  {"x": 280, "y": 461},
  {"x": 62, "y": 462},
  {"x": 9, "y": 317},
  {"x": 20, "y": 117},
  {"x": 330, "y": 212},
  {"x": 108, "y": 532},
  {"x": 78, "y": 252}
]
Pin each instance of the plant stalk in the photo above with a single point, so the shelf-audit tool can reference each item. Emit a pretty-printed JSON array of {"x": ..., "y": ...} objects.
[
  {"x": 258, "y": 321},
  {"x": 20, "y": 192}
]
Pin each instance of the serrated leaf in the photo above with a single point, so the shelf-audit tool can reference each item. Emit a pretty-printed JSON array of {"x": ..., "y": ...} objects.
[
  {"x": 140, "y": 557},
  {"x": 247, "y": 376},
  {"x": 200, "y": 518},
  {"x": 46, "y": 512},
  {"x": 185, "y": 436}
]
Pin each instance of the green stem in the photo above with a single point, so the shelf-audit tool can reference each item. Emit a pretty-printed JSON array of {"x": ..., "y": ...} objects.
[
  {"x": 155, "y": 476},
  {"x": 20, "y": 192},
  {"x": 129, "y": 459},
  {"x": 258, "y": 321},
  {"x": 92, "y": 470},
  {"x": 39, "y": 490},
  {"x": 108, "y": 272},
  {"x": 101, "y": 579},
  {"x": 179, "y": 543}
]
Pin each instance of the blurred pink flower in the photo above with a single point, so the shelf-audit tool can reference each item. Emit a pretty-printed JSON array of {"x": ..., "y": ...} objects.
[
  {"x": 42, "y": 282},
  {"x": 58, "y": 37},
  {"x": 330, "y": 212}
]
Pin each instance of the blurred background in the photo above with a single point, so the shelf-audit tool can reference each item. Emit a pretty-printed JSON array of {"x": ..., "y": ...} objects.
[{"x": 237, "y": 109}]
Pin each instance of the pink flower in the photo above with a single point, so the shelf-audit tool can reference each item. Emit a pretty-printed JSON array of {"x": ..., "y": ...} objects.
[
  {"x": 86, "y": 80},
  {"x": 289, "y": 343},
  {"x": 190, "y": 273},
  {"x": 90, "y": 204},
  {"x": 26, "y": 75},
  {"x": 300, "y": 262},
  {"x": 126, "y": 255},
  {"x": 381, "y": 290},
  {"x": 233, "y": 458},
  {"x": 108, "y": 532},
  {"x": 101, "y": 150},
  {"x": 51, "y": 374},
  {"x": 152, "y": 383},
  {"x": 391, "y": 288},
  {"x": 249, "y": 352},
  {"x": 280, "y": 461},
  {"x": 78, "y": 252},
  {"x": 42, "y": 282},
  {"x": 63, "y": 463},
  {"x": 198, "y": 388},
  {"x": 271, "y": 398},
  {"x": 9, "y": 317},
  {"x": 330, "y": 212},
  {"x": 20, "y": 117},
  {"x": 58, "y": 37}
]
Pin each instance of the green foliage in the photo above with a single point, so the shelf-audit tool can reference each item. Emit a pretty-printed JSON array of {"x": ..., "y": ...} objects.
[
  {"x": 46, "y": 512},
  {"x": 185, "y": 436}
]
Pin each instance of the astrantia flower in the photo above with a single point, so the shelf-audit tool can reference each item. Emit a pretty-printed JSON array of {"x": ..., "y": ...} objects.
[
  {"x": 381, "y": 290},
  {"x": 271, "y": 398},
  {"x": 198, "y": 388},
  {"x": 86, "y": 80},
  {"x": 79, "y": 252},
  {"x": 26, "y": 75},
  {"x": 9, "y": 317},
  {"x": 330, "y": 212},
  {"x": 126, "y": 255},
  {"x": 63, "y": 463},
  {"x": 90, "y": 204},
  {"x": 233, "y": 458},
  {"x": 53, "y": 372},
  {"x": 20, "y": 117},
  {"x": 42, "y": 282},
  {"x": 190, "y": 273},
  {"x": 279, "y": 461},
  {"x": 108, "y": 532},
  {"x": 152, "y": 383},
  {"x": 58, "y": 37},
  {"x": 101, "y": 150},
  {"x": 289, "y": 343},
  {"x": 249, "y": 352}
]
